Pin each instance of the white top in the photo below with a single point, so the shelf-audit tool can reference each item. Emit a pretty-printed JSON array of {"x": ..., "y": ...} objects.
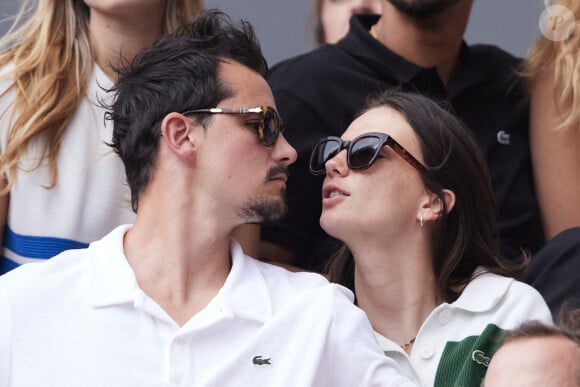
[
  {"x": 456, "y": 341},
  {"x": 80, "y": 319},
  {"x": 91, "y": 196}
]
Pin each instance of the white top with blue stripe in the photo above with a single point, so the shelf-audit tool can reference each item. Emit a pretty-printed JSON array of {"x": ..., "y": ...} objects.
[{"x": 90, "y": 197}]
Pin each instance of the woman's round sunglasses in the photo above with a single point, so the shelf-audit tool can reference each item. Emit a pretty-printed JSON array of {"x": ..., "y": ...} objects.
[
  {"x": 361, "y": 152},
  {"x": 269, "y": 125}
]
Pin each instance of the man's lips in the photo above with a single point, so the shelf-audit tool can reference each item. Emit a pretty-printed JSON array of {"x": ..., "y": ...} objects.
[
  {"x": 279, "y": 173},
  {"x": 282, "y": 177}
]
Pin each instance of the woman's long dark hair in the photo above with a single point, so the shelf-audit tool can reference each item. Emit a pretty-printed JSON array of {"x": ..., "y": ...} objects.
[{"x": 467, "y": 236}]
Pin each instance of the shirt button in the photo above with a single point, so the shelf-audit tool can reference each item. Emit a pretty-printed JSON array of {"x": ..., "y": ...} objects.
[
  {"x": 426, "y": 351},
  {"x": 176, "y": 379},
  {"x": 444, "y": 316},
  {"x": 179, "y": 340}
]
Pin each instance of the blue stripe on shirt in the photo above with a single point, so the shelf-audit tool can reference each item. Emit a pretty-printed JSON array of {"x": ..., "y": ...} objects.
[
  {"x": 6, "y": 265},
  {"x": 38, "y": 247}
]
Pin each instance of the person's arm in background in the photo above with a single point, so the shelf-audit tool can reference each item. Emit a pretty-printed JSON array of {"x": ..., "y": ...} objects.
[
  {"x": 248, "y": 236},
  {"x": 271, "y": 252},
  {"x": 555, "y": 157}
]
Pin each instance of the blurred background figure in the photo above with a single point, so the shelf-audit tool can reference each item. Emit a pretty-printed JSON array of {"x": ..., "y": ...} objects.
[
  {"x": 62, "y": 186},
  {"x": 515, "y": 23},
  {"x": 331, "y": 17},
  {"x": 536, "y": 354},
  {"x": 552, "y": 69}
]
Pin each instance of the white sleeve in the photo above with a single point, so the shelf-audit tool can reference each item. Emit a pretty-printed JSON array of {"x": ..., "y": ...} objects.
[
  {"x": 351, "y": 337},
  {"x": 5, "y": 336}
]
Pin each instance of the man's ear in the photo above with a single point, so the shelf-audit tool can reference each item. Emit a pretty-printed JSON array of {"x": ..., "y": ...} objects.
[
  {"x": 432, "y": 206},
  {"x": 176, "y": 130}
]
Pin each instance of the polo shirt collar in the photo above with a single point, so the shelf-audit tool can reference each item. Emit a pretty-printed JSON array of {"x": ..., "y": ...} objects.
[
  {"x": 484, "y": 292},
  {"x": 360, "y": 44},
  {"x": 112, "y": 278},
  {"x": 244, "y": 294},
  {"x": 470, "y": 72}
]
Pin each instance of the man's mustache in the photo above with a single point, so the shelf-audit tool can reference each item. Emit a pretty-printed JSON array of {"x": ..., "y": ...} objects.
[{"x": 276, "y": 171}]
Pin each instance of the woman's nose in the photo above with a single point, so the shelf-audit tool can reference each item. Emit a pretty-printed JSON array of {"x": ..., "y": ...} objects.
[{"x": 337, "y": 165}]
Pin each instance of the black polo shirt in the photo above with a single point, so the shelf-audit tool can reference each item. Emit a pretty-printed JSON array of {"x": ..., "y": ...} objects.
[{"x": 319, "y": 93}]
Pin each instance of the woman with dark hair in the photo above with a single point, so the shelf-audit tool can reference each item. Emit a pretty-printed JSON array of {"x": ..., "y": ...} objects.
[{"x": 411, "y": 199}]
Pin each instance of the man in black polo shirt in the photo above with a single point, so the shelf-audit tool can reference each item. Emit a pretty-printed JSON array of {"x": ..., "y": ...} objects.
[{"x": 415, "y": 45}]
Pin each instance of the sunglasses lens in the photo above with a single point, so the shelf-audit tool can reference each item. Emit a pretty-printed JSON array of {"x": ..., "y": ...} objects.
[
  {"x": 321, "y": 153},
  {"x": 363, "y": 152},
  {"x": 271, "y": 126}
]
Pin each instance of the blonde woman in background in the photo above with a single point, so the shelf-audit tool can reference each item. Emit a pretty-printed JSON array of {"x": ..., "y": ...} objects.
[
  {"x": 553, "y": 72},
  {"x": 62, "y": 186},
  {"x": 332, "y": 17},
  {"x": 553, "y": 69}
]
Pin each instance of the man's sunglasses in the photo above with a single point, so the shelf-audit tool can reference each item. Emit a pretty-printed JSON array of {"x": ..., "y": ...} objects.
[
  {"x": 268, "y": 127},
  {"x": 361, "y": 152}
]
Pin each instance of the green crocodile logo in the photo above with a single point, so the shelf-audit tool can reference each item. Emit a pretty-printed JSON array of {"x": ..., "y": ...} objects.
[
  {"x": 259, "y": 361},
  {"x": 479, "y": 357}
]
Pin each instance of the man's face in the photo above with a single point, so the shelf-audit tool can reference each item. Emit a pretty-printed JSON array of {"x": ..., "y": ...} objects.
[
  {"x": 247, "y": 178},
  {"x": 422, "y": 8},
  {"x": 537, "y": 361}
]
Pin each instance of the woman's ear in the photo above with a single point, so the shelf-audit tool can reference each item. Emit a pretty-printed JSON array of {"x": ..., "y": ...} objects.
[
  {"x": 432, "y": 206},
  {"x": 176, "y": 132},
  {"x": 449, "y": 197}
]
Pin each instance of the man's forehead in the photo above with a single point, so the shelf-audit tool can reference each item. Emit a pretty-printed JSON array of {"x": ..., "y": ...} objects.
[{"x": 244, "y": 84}]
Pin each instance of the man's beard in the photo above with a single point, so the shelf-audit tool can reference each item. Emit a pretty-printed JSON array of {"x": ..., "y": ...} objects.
[
  {"x": 422, "y": 8},
  {"x": 266, "y": 208},
  {"x": 262, "y": 208}
]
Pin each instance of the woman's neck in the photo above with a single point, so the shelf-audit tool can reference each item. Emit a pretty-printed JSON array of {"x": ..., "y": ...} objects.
[
  {"x": 397, "y": 291},
  {"x": 115, "y": 41}
]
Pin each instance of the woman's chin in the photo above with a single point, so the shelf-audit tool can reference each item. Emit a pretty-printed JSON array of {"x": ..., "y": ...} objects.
[{"x": 334, "y": 226}]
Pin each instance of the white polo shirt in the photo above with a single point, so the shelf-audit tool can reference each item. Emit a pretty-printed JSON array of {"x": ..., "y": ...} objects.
[
  {"x": 455, "y": 343},
  {"x": 80, "y": 319}
]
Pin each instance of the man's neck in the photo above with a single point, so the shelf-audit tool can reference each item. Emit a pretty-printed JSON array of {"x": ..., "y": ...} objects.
[
  {"x": 427, "y": 42},
  {"x": 180, "y": 262}
]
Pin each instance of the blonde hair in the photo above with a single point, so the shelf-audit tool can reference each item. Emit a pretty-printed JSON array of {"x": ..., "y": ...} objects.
[
  {"x": 563, "y": 60},
  {"x": 51, "y": 59}
]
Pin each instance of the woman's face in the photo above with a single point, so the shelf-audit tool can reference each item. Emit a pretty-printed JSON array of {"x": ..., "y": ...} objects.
[
  {"x": 383, "y": 200},
  {"x": 335, "y": 15}
]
